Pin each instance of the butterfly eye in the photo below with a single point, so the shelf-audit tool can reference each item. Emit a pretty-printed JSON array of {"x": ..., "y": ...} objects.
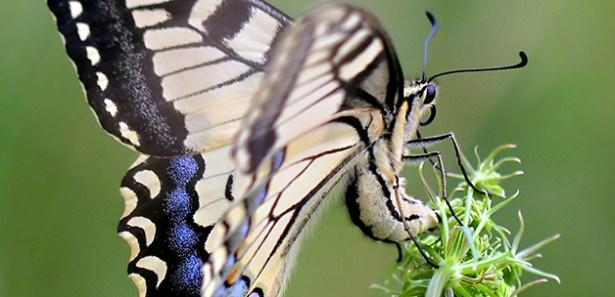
[{"x": 430, "y": 94}]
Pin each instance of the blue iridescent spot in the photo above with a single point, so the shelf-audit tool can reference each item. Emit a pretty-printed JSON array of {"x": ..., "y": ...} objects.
[
  {"x": 230, "y": 262},
  {"x": 257, "y": 200},
  {"x": 244, "y": 229},
  {"x": 182, "y": 170},
  {"x": 178, "y": 204},
  {"x": 183, "y": 239},
  {"x": 221, "y": 292},
  {"x": 278, "y": 158},
  {"x": 239, "y": 288},
  {"x": 188, "y": 275},
  {"x": 260, "y": 197}
]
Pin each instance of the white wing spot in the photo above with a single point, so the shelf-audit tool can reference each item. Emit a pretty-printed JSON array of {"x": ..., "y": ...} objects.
[
  {"x": 133, "y": 243},
  {"x": 208, "y": 286},
  {"x": 216, "y": 236},
  {"x": 140, "y": 283},
  {"x": 351, "y": 44},
  {"x": 201, "y": 11},
  {"x": 103, "y": 81},
  {"x": 176, "y": 59},
  {"x": 352, "y": 21},
  {"x": 83, "y": 30},
  {"x": 76, "y": 9},
  {"x": 110, "y": 107},
  {"x": 155, "y": 265},
  {"x": 170, "y": 37},
  {"x": 218, "y": 259},
  {"x": 150, "y": 17},
  {"x": 129, "y": 134},
  {"x": 349, "y": 70},
  {"x": 196, "y": 80},
  {"x": 253, "y": 40},
  {"x": 130, "y": 201},
  {"x": 145, "y": 224},
  {"x": 93, "y": 55},
  {"x": 135, "y": 3},
  {"x": 150, "y": 180}
]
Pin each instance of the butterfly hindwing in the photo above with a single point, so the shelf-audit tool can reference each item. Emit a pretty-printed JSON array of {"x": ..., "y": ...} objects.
[
  {"x": 171, "y": 206},
  {"x": 169, "y": 77},
  {"x": 335, "y": 60}
]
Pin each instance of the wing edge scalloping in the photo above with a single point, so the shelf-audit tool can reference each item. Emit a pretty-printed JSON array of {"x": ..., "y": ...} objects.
[
  {"x": 93, "y": 78},
  {"x": 156, "y": 264}
]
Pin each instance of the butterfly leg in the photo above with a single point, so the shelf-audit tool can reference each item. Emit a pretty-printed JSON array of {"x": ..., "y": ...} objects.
[
  {"x": 412, "y": 237},
  {"x": 400, "y": 253},
  {"x": 426, "y": 142},
  {"x": 423, "y": 253},
  {"x": 439, "y": 165}
]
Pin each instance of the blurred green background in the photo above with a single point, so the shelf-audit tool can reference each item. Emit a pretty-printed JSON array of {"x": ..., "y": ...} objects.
[{"x": 59, "y": 172}]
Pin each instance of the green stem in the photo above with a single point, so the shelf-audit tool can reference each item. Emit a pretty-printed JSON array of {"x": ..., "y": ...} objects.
[{"x": 438, "y": 281}]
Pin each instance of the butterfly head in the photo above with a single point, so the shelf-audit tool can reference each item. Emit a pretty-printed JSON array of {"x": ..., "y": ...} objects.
[{"x": 422, "y": 95}]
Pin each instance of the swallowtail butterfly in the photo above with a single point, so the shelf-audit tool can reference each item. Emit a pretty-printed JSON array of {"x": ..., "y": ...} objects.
[{"x": 246, "y": 121}]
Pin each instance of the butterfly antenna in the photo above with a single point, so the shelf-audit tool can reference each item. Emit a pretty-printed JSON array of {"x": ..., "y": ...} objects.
[
  {"x": 521, "y": 64},
  {"x": 434, "y": 29}
]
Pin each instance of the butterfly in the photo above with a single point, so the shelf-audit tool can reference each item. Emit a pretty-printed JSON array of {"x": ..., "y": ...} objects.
[{"x": 247, "y": 121}]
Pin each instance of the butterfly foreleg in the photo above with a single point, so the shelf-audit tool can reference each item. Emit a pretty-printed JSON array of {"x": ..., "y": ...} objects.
[
  {"x": 426, "y": 142},
  {"x": 438, "y": 164}
]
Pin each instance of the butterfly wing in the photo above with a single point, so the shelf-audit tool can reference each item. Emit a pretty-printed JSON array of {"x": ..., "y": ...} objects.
[
  {"x": 300, "y": 141},
  {"x": 171, "y": 207},
  {"x": 337, "y": 60},
  {"x": 254, "y": 244},
  {"x": 169, "y": 77}
]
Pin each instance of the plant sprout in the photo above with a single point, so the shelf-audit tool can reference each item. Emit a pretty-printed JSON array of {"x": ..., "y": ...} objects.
[{"x": 483, "y": 260}]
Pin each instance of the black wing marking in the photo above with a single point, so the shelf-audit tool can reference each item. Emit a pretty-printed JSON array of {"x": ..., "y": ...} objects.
[
  {"x": 335, "y": 61},
  {"x": 171, "y": 207},
  {"x": 166, "y": 244},
  {"x": 169, "y": 77}
]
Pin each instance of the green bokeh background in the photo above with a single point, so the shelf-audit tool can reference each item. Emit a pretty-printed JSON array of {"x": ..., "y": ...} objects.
[{"x": 59, "y": 172}]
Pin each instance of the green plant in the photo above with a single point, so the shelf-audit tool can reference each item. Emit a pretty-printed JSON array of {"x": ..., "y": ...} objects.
[{"x": 479, "y": 259}]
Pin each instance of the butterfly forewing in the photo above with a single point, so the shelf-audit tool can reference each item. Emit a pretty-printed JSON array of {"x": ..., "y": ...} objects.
[
  {"x": 169, "y": 77},
  {"x": 335, "y": 61},
  {"x": 253, "y": 244},
  {"x": 324, "y": 100}
]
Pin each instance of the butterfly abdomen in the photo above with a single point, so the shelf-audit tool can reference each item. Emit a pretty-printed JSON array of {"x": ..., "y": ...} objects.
[{"x": 378, "y": 203}]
